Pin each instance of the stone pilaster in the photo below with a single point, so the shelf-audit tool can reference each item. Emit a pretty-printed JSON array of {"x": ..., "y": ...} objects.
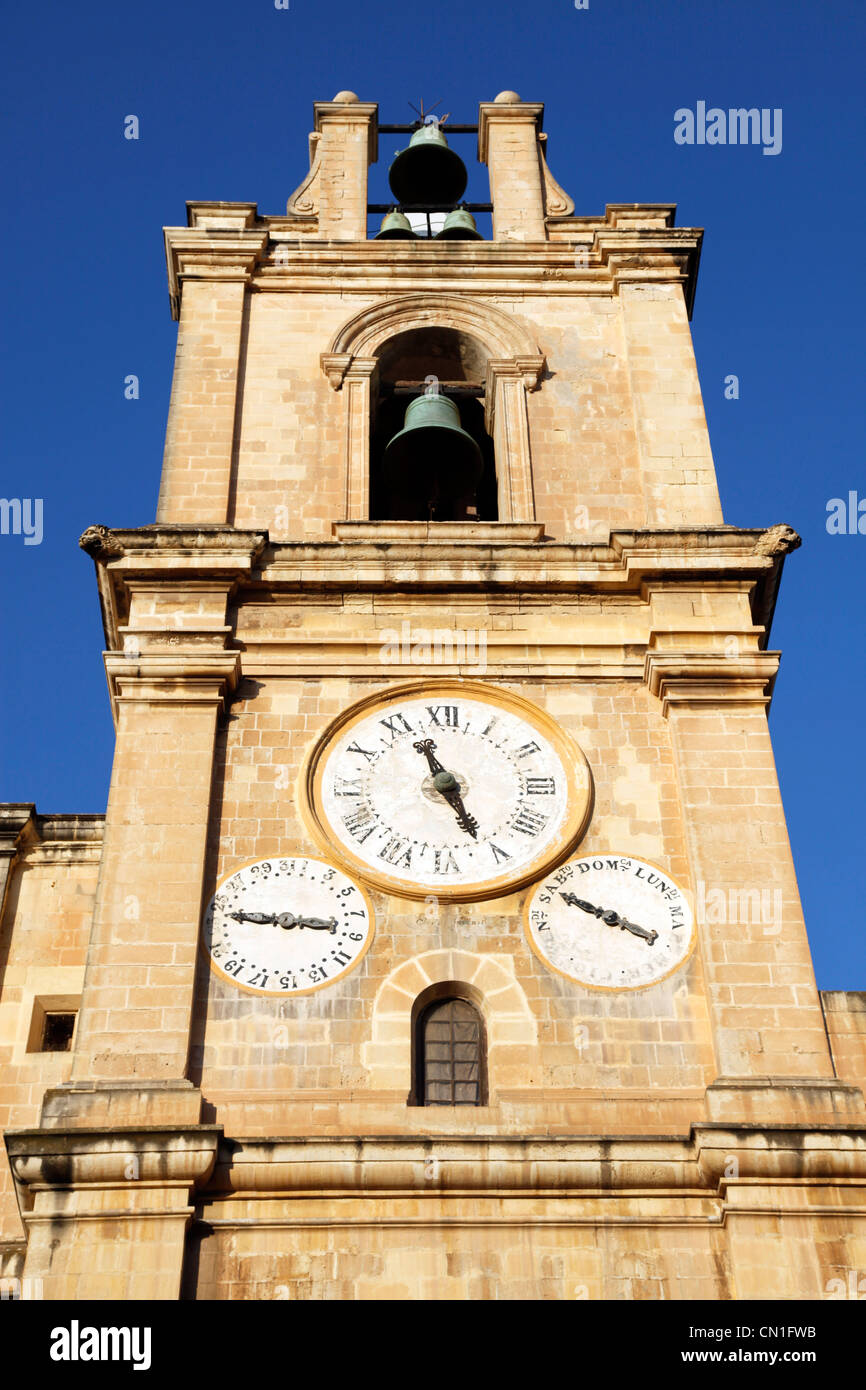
[
  {"x": 508, "y": 144},
  {"x": 764, "y": 1006},
  {"x": 347, "y": 147}
]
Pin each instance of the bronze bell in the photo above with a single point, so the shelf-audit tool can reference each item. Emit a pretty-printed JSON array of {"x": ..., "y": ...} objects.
[
  {"x": 433, "y": 459},
  {"x": 428, "y": 171},
  {"x": 459, "y": 226},
  {"x": 395, "y": 227}
]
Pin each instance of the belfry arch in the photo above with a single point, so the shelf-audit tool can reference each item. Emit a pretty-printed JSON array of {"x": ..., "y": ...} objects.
[{"x": 491, "y": 343}]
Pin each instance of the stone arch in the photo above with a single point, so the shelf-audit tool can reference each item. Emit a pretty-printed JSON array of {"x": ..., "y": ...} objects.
[
  {"x": 514, "y": 365},
  {"x": 489, "y": 979},
  {"x": 364, "y": 334}
]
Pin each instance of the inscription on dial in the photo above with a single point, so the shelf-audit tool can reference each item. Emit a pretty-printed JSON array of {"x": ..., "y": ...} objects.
[
  {"x": 286, "y": 926},
  {"x": 445, "y": 792},
  {"x": 611, "y": 922}
]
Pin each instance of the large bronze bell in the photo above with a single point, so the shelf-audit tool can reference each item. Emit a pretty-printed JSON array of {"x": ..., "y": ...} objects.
[
  {"x": 459, "y": 226},
  {"x": 395, "y": 227},
  {"x": 427, "y": 171},
  {"x": 433, "y": 459}
]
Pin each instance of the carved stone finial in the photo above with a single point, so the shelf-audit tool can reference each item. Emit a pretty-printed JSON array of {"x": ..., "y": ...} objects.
[
  {"x": 778, "y": 540},
  {"x": 99, "y": 542}
]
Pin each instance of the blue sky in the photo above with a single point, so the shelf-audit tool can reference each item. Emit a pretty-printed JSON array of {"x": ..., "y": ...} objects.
[{"x": 224, "y": 94}]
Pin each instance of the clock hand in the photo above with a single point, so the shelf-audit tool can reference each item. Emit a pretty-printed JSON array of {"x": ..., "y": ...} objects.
[
  {"x": 610, "y": 918},
  {"x": 287, "y": 920},
  {"x": 448, "y": 787},
  {"x": 328, "y": 924}
]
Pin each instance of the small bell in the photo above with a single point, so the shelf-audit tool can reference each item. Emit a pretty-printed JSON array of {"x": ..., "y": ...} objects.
[
  {"x": 459, "y": 226},
  {"x": 428, "y": 171},
  {"x": 432, "y": 458},
  {"x": 395, "y": 227}
]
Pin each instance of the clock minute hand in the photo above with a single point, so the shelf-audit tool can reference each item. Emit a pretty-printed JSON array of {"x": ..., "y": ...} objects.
[
  {"x": 448, "y": 787},
  {"x": 610, "y": 918}
]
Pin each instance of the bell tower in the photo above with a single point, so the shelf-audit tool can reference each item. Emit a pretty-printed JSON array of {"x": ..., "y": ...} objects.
[{"x": 446, "y": 942}]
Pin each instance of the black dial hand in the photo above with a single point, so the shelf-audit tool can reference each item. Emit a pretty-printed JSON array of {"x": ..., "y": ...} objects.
[
  {"x": 610, "y": 918},
  {"x": 448, "y": 787},
  {"x": 287, "y": 920}
]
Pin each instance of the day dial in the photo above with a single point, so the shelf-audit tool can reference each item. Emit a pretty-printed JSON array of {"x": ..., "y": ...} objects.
[{"x": 610, "y": 921}]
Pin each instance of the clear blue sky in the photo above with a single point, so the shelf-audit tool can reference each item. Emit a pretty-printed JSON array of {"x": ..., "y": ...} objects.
[{"x": 224, "y": 96}]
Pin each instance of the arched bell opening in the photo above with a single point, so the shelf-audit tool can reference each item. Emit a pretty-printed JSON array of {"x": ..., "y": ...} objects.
[{"x": 435, "y": 461}]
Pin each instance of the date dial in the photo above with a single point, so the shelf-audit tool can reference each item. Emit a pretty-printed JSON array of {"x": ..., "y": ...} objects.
[{"x": 287, "y": 926}]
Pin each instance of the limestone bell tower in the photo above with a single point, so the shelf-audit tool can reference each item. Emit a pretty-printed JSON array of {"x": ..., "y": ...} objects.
[{"x": 442, "y": 939}]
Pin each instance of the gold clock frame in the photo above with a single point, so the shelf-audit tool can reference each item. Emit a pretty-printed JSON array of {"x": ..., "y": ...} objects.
[
  {"x": 578, "y": 809},
  {"x": 686, "y": 894},
  {"x": 286, "y": 993}
]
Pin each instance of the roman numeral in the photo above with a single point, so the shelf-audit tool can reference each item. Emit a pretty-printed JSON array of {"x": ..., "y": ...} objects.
[
  {"x": 528, "y": 748},
  {"x": 397, "y": 851},
  {"x": 347, "y": 786},
  {"x": 529, "y": 822},
  {"x": 358, "y": 821},
  {"x": 444, "y": 862},
  {"x": 396, "y": 732},
  {"x": 356, "y": 748},
  {"x": 443, "y": 716},
  {"x": 540, "y": 786},
  {"x": 499, "y": 854}
]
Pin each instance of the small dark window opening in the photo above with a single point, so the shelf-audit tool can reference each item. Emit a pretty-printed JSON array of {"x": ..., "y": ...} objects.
[
  {"x": 57, "y": 1032},
  {"x": 449, "y": 1054}
]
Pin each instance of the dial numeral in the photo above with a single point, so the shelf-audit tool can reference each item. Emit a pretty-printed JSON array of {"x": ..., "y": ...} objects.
[
  {"x": 395, "y": 733},
  {"x": 365, "y": 752},
  {"x": 540, "y": 786},
  {"x": 444, "y": 862},
  {"x": 358, "y": 821},
  {"x": 444, "y": 716},
  {"x": 397, "y": 851},
  {"x": 527, "y": 748},
  {"x": 528, "y": 822},
  {"x": 347, "y": 786},
  {"x": 499, "y": 854}
]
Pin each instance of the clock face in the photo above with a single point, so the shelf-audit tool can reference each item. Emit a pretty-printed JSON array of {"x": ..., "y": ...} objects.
[
  {"x": 287, "y": 926},
  {"x": 449, "y": 789},
  {"x": 610, "y": 922}
]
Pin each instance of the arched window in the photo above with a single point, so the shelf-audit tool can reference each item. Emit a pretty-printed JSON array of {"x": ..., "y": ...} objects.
[{"x": 449, "y": 1053}]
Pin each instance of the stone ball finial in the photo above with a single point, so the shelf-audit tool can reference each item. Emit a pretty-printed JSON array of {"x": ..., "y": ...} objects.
[
  {"x": 346, "y": 97},
  {"x": 506, "y": 98}
]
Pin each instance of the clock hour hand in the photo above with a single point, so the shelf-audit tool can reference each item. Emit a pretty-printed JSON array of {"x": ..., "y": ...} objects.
[
  {"x": 287, "y": 920},
  {"x": 610, "y": 918},
  {"x": 448, "y": 787}
]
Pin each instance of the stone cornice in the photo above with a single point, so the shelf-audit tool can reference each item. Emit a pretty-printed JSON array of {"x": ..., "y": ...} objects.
[
  {"x": 614, "y": 257},
  {"x": 698, "y": 678},
  {"x": 133, "y": 1157},
  {"x": 575, "y": 1165},
  {"x": 211, "y": 252},
  {"x": 631, "y": 243}
]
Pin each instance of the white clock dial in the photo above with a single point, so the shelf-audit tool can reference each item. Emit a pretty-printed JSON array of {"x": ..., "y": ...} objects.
[
  {"x": 287, "y": 926},
  {"x": 440, "y": 791},
  {"x": 611, "y": 922}
]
